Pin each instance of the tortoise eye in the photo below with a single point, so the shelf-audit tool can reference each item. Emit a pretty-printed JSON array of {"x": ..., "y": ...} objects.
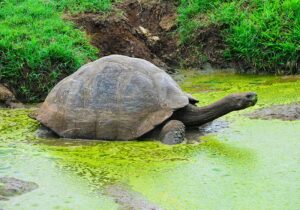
[{"x": 250, "y": 95}]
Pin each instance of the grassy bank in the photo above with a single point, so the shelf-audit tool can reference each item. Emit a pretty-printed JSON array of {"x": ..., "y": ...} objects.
[
  {"x": 262, "y": 34},
  {"x": 38, "y": 47}
]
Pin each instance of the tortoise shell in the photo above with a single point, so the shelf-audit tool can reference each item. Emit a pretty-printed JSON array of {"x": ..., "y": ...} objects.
[{"x": 113, "y": 98}]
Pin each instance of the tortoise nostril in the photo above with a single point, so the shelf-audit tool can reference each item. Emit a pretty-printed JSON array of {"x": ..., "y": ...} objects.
[{"x": 251, "y": 95}]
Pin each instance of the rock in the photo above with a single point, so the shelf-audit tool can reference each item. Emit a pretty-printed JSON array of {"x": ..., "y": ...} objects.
[
  {"x": 10, "y": 187},
  {"x": 129, "y": 199},
  {"x": 16, "y": 105},
  {"x": 287, "y": 112},
  {"x": 5, "y": 95},
  {"x": 2, "y": 198},
  {"x": 150, "y": 38},
  {"x": 168, "y": 22},
  {"x": 8, "y": 99}
]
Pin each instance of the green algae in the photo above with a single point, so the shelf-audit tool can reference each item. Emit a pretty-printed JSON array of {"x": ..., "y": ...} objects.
[
  {"x": 22, "y": 157},
  {"x": 104, "y": 163},
  {"x": 98, "y": 163},
  {"x": 252, "y": 164},
  {"x": 270, "y": 89},
  {"x": 239, "y": 156},
  {"x": 16, "y": 125}
]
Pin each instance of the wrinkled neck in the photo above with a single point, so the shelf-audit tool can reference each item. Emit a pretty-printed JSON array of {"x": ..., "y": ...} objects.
[{"x": 196, "y": 116}]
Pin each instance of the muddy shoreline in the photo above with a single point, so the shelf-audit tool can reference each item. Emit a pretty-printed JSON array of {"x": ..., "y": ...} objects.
[{"x": 287, "y": 112}]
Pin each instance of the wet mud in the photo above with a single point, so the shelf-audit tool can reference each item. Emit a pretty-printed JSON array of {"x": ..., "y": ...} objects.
[
  {"x": 287, "y": 112},
  {"x": 194, "y": 134}
]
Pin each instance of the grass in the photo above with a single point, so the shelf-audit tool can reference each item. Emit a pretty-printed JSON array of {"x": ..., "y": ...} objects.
[
  {"x": 262, "y": 34},
  {"x": 271, "y": 90},
  {"x": 38, "y": 47}
]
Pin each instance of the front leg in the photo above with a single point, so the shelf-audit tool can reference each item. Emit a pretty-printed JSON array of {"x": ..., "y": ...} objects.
[{"x": 173, "y": 132}]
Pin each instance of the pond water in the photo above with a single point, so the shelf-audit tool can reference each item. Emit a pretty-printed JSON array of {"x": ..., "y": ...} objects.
[{"x": 248, "y": 164}]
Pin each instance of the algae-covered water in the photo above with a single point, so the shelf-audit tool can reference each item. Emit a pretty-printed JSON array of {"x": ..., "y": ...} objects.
[{"x": 249, "y": 164}]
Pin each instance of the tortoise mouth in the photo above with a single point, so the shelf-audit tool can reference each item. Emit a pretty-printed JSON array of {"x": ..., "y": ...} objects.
[{"x": 252, "y": 99}]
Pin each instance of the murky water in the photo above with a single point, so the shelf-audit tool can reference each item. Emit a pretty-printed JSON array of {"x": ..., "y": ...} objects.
[{"x": 248, "y": 164}]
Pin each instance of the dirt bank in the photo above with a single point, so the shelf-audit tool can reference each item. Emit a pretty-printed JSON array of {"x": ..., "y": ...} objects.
[
  {"x": 143, "y": 29},
  {"x": 148, "y": 29}
]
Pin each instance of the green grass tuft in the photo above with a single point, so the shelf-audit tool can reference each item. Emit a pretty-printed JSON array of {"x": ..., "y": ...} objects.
[
  {"x": 264, "y": 34},
  {"x": 38, "y": 47},
  {"x": 79, "y": 6}
]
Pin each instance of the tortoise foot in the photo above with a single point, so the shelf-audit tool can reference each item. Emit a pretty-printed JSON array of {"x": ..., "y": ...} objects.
[
  {"x": 173, "y": 132},
  {"x": 44, "y": 132}
]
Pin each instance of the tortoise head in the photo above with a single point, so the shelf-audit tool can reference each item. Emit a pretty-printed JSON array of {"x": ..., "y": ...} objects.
[{"x": 240, "y": 101}]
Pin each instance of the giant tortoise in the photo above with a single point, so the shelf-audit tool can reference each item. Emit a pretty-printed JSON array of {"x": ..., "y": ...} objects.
[{"x": 123, "y": 98}]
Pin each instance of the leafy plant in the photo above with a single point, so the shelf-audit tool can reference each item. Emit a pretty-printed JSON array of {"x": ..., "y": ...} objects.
[
  {"x": 264, "y": 34},
  {"x": 38, "y": 47}
]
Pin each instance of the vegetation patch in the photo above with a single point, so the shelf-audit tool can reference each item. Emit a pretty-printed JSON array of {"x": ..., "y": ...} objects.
[
  {"x": 263, "y": 36},
  {"x": 38, "y": 48},
  {"x": 270, "y": 90}
]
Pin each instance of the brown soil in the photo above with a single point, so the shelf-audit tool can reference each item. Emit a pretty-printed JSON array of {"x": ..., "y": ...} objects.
[
  {"x": 207, "y": 46},
  {"x": 147, "y": 29},
  {"x": 282, "y": 112},
  {"x": 142, "y": 29}
]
